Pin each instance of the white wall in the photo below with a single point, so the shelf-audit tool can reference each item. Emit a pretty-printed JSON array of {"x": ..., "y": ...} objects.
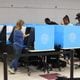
[{"x": 34, "y": 11}]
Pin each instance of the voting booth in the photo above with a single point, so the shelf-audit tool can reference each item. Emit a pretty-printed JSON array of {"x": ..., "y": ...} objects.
[
  {"x": 68, "y": 37},
  {"x": 44, "y": 37}
]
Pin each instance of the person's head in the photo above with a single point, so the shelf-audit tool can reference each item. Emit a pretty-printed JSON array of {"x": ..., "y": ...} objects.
[
  {"x": 47, "y": 20},
  {"x": 78, "y": 17},
  {"x": 19, "y": 24},
  {"x": 66, "y": 20}
]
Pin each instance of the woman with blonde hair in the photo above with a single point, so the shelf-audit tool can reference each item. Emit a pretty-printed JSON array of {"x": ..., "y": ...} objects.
[{"x": 18, "y": 40}]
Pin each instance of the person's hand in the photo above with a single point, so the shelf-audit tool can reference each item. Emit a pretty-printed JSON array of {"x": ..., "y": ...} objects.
[{"x": 26, "y": 35}]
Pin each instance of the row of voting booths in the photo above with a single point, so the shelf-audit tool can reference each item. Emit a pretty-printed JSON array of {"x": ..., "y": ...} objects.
[
  {"x": 45, "y": 37},
  {"x": 49, "y": 36}
]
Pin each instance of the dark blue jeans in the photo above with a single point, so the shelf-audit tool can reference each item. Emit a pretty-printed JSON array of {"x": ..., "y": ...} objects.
[{"x": 17, "y": 55}]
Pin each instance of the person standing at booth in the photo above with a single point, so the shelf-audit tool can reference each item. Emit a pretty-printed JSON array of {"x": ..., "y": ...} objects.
[
  {"x": 18, "y": 41},
  {"x": 49, "y": 57},
  {"x": 78, "y": 18},
  {"x": 66, "y": 21},
  {"x": 78, "y": 49}
]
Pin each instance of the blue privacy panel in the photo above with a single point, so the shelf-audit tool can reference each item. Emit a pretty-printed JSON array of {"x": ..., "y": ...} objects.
[
  {"x": 8, "y": 32},
  {"x": 67, "y": 36},
  {"x": 58, "y": 40},
  {"x": 44, "y": 37}
]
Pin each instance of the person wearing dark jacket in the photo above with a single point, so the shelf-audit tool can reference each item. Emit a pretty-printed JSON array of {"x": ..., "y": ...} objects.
[
  {"x": 78, "y": 18},
  {"x": 49, "y": 22}
]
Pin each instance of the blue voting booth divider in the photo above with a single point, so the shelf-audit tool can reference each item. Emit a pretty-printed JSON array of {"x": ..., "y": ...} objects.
[
  {"x": 67, "y": 36},
  {"x": 44, "y": 37}
]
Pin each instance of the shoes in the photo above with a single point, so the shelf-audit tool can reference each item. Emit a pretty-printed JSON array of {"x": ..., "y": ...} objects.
[
  {"x": 50, "y": 67},
  {"x": 11, "y": 70}
]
